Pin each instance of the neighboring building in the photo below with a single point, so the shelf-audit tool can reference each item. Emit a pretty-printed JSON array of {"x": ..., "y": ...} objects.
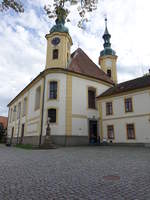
[
  {"x": 3, "y": 128},
  {"x": 4, "y": 121},
  {"x": 65, "y": 92},
  {"x": 125, "y": 111}
]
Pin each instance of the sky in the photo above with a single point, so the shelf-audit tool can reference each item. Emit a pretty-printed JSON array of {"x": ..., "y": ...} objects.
[{"x": 23, "y": 43}]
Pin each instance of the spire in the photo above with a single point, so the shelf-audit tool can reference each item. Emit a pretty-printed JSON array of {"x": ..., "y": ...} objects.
[
  {"x": 107, "y": 45},
  {"x": 60, "y": 21},
  {"x": 106, "y": 36}
]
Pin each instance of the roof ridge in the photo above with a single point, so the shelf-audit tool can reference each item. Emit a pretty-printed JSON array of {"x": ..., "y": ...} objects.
[{"x": 140, "y": 77}]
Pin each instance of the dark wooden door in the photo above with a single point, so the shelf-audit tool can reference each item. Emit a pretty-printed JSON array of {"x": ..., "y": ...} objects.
[{"x": 93, "y": 131}]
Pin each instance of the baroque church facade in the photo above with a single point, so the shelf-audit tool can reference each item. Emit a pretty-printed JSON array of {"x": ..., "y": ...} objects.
[{"x": 82, "y": 101}]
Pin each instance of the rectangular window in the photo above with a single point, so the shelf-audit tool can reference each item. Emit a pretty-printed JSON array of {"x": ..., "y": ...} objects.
[
  {"x": 10, "y": 117},
  {"x": 110, "y": 132},
  {"x": 55, "y": 54},
  {"x": 24, "y": 106},
  {"x": 91, "y": 98},
  {"x": 53, "y": 90},
  {"x": 130, "y": 131},
  {"x": 37, "y": 98},
  {"x": 128, "y": 105},
  {"x": 109, "y": 73},
  {"x": 52, "y": 115},
  {"x": 14, "y": 113},
  {"x": 109, "y": 109},
  {"x": 19, "y": 110}
]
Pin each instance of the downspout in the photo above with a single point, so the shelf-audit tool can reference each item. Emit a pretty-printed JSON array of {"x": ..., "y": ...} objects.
[{"x": 43, "y": 99}]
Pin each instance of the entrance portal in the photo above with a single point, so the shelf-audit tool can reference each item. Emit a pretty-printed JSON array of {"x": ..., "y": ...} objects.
[{"x": 92, "y": 131}]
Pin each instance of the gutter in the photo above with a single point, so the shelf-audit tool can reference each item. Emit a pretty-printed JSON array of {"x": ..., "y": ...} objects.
[{"x": 43, "y": 99}]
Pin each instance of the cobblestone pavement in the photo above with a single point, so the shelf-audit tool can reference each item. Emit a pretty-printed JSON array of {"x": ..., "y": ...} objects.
[{"x": 75, "y": 173}]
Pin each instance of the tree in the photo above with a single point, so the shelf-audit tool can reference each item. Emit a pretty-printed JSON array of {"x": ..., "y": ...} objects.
[
  {"x": 2, "y": 131},
  {"x": 57, "y": 8},
  {"x": 16, "y": 5}
]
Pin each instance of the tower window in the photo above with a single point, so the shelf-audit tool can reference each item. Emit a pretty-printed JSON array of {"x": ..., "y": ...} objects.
[
  {"x": 55, "y": 54},
  {"x": 52, "y": 115},
  {"x": 109, "y": 72}
]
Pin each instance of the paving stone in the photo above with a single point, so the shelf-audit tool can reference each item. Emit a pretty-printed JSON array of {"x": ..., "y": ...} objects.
[{"x": 75, "y": 173}]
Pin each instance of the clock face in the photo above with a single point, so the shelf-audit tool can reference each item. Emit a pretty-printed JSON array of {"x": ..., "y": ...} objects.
[
  {"x": 108, "y": 63},
  {"x": 55, "y": 41}
]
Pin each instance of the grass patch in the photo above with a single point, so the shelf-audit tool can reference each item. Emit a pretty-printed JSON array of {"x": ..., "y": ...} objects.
[{"x": 24, "y": 146}]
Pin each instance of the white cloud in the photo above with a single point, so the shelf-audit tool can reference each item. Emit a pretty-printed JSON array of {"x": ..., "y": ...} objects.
[{"x": 23, "y": 44}]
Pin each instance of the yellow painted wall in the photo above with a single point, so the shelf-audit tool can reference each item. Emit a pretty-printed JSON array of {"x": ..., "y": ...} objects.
[
  {"x": 63, "y": 48},
  {"x": 104, "y": 67}
]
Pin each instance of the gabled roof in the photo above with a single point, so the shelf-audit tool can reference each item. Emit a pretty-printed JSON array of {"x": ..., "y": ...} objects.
[
  {"x": 138, "y": 83},
  {"x": 81, "y": 63}
]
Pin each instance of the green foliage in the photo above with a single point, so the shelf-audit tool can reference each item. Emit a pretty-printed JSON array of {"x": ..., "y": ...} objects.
[
  {"x": 13, "y": 4},
  {"x": 53, "y": 9},
  {"x": 24, "y": 146},
  {"x": 2, "y": 132}
]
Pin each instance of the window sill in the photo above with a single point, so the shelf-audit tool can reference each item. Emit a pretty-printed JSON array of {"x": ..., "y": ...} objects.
[{"x": 92, "y": 108}]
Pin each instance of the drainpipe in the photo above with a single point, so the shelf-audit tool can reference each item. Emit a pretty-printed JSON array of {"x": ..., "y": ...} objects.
[{"x": 43, "y": 99}]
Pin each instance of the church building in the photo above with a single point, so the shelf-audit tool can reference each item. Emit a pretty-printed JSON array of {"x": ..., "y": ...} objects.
[{"x": 82, "y": 101}]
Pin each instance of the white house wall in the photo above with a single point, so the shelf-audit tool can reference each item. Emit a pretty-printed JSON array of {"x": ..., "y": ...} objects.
[
  {"x": 60, "y": 104},
  {"x": 140, "y": 117},
  {"x": 80, "y": 111}
]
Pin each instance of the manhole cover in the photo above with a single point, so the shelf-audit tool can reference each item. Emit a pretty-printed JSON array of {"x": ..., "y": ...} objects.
[{"x": 111, "y": 178}]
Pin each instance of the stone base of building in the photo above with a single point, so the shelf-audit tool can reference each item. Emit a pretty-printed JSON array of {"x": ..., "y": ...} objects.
[
  {"x": 126, "y": 144},
  {"x": 58, "y": 140},
  {"x": 71, "y": 141}
]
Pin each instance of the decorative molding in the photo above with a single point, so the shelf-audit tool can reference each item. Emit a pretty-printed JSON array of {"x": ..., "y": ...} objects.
[
  {"x": 129, "y": 116},
  {"x": 79, "y": 116}
]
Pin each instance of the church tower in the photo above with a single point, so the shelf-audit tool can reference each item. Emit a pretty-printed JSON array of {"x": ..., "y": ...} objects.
[
  {"x": 108, "y": 57},
  {"x": 58, "y": 44}
]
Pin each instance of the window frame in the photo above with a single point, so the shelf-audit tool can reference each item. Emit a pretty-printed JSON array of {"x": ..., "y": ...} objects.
[
  {"x": 111, "y": 125},
  {"x": 110, "y": 113},
  {"x": 110, "y": 71},
  {"x": 54, "y": 108},
  {"x": 24, "y": 110},
  {"x": 125, "y": 103},
  {"x": 92, "y": 89},
  {"x": 133, "y": 131},
  {"x": 37, "y": 107},
  {"x": 55, "y": 55},
  {"x": 48, "y": 90},
  {"x": 19, "y": 110}
]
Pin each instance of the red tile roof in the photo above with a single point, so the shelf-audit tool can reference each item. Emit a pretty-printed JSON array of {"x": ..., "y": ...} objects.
[
  {"x": 81, "y": 63},
  {"x": 138, "y": 83},
  {"x": 4, "y": 121}
]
